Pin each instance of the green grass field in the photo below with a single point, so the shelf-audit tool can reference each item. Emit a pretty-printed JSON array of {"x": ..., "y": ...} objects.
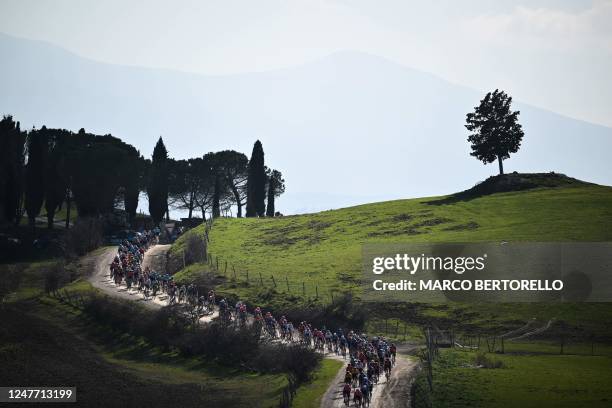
[
  {"x": 309, "y": 395},
  {"x": 524, "y": 381},
  {"x": 322, "y": 252},
  {"x": 324, "y": 249}
]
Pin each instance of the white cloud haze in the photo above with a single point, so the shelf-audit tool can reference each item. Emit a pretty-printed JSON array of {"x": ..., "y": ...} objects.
[{"x": 553, "y": 54}]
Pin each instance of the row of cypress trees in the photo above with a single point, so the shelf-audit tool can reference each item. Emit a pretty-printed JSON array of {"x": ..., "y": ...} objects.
[
  {"x": 50, "y": 167},
  {"x": 262, "y": 182},
  {"x": 54, "y": 166},
  {"x": 218, "y": 173}
]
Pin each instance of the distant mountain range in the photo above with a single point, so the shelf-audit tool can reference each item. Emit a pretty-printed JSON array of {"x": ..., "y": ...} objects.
[{"x": 346, "y": 129}]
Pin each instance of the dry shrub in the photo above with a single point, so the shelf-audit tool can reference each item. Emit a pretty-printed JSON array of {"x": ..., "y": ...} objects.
[
  {"x": 55, "y": 277},
  {"x": 482, "y": 360}
]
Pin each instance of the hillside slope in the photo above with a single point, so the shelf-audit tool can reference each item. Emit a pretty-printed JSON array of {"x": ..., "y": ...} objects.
[{"x": 324, "y": 249}]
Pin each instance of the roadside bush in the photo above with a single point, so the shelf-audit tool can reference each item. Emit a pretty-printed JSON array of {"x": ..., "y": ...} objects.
[
  {"x": 297, "y": 360},
  {"x": 170, "y": 329},
  {"x": 55, "y": 277},
  {"x": 482, "y": 360},
  {"x": 10, "y": 279},
  {"x": 226, "y": 345},
  {"x": 342, "y": 312}
]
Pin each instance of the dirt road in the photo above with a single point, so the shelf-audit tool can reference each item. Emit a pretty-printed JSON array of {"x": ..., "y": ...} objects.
[
  {"x": 386, "y": 394},
  {"x": 155, "y": 258},
  {"x": 100, "y": 278}
]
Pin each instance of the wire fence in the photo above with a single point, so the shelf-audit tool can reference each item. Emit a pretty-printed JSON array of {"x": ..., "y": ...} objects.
[{"x": 243, "y": 276}]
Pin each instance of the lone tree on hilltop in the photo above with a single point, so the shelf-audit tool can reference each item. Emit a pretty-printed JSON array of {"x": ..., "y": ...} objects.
[
  {"x": 256, "y": 183},
  {"x": 495, "y": 129},
  {"x": 157, "y": 189}
]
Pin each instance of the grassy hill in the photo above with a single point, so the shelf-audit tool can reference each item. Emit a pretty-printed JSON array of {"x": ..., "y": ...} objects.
[
  {"x": 324, "y": 248},
  {"x": 323, "y": 251}
]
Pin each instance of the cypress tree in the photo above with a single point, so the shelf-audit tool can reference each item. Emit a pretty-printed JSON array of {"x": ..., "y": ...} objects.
[
  {"x": 57, "y": 180},
  {"x": 35, "y": 173},
  {"x": 256, "y": 183},
  {"x": 157, "y": 189},
  {"x": 12, "y": 160},
  {"x": 132, "y": 176}
]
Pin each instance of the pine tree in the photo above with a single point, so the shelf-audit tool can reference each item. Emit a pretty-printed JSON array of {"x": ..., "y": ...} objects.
[
  {"x": 256, "y": 183},
  {"x": 157, "y": 189}
]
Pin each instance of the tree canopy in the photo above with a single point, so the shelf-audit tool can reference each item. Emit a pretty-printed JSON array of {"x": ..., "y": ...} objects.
[
  {"x": 276, "y": 187},
  {"x": 157, "y": 189},
  {"x": 495, "y": 129},
  {"x": 256, "y": 183},
  {"x": 12, "y": 161},
  {"x": 37, "y": 147},
  {"x": 102, "y": 174}
]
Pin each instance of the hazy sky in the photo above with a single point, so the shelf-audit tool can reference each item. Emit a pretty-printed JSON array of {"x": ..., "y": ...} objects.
[{"x": 553, "y": 54}]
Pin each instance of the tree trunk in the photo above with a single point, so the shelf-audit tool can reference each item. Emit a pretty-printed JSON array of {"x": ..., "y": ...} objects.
[
  {"x": 50, "y": 216},
  {"x": 501, "y": 165},
  {"x": 238, "y": 204},
  {"x": 68, "y": 205},
  {"x": 191, "y": 205},
  {"x": 216, "y": 207}
]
